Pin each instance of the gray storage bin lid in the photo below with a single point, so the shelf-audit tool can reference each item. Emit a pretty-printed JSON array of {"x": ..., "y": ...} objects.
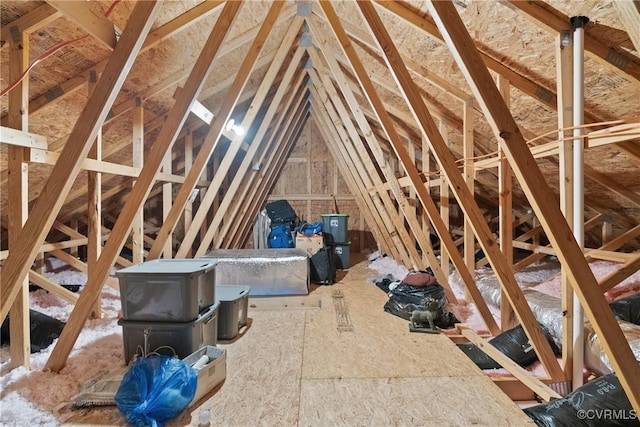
[
  {"x": 231, "y": 292},
  {"x": 169, "y": 266}
]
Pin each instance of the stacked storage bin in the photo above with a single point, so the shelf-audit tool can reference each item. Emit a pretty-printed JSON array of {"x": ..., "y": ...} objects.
[
  {"x": 234, "y": 303},
  {"x": 335, "y": 227},
  {"x": 168, "y": 307}
]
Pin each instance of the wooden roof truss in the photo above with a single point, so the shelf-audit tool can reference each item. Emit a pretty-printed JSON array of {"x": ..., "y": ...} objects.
[{"x": 371, "y": 141}]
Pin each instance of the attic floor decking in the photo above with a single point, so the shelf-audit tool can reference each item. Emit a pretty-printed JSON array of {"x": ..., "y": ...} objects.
[{"x": 293, "y": 366}]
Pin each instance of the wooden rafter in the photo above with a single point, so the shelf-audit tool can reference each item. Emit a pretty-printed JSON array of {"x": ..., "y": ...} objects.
[
  {"x": 536, "y": 189},
  {"x": 465, "y": 198},
  {"x": 247, "y": 160},
  {"x": 351, "y": 147},
  {"x": 423, "y": 196},
  {"x": 245, "y": 185},
  {"x": 348, "y": 170},
  {"x": 357, "y": 172},
  {"x": 352, "y": 109},
  {"x": 64, "y": 172},
  {"x": 80, "y": 13},
  {"x": 215, "y": 132},
  {"x": 165, "y": 140},
  {"x": 18, "y": 193},
  {"x": 285, "y": 141},
  {"x": 629, "y": 12},
  {"x": 224, "y": 168},
  {"x": 554, "y": 20}
]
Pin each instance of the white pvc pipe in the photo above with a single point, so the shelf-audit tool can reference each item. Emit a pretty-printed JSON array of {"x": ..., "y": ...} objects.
[{"x": 578, "y": 191}]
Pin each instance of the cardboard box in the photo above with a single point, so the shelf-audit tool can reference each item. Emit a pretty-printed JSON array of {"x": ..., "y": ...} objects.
[{"x": 310, "y": 244}]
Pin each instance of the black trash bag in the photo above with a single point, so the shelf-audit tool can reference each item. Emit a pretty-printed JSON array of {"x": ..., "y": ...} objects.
[
  {"x": 479, "y": 357},
  {"x": 600, "y": 402},
  {"x": 515, "y": 344},
  {"x": 44, "y": 330},
  {"x": 156, "y": 389},
  {"x": 323, "y": 266},
  {"x": 403, "y": 299},
  {"x": 385, "y": 282},
  {"x": 627, "y": 309}
]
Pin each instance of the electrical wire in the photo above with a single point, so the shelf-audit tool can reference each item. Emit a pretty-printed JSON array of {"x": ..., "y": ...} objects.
[
  {"x": 51, "y": 52},
  {"x": 630, "y": 133},
  {"x": 41, "y": 58}
]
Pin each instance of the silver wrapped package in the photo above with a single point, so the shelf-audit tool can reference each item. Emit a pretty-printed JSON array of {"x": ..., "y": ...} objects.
[{"x": 267, "y": 271}]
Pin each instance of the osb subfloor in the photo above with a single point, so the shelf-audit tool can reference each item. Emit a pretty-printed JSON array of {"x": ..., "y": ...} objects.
[{"x": 336, "y": 358}]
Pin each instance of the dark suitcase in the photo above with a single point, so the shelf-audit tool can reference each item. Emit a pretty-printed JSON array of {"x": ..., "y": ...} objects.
[
  {"x": 280, "y": 212},
  {"x": 323, "y": 267}
]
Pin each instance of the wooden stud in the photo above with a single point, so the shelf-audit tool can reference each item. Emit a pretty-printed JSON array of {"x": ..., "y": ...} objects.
[
  {"x": 293, "y": 124},
  {"x": 224, "y": 169},
  {"x": 245, "y": 166},
  {"x": 564, "y": 79},
  {"x": 444, "y": 205},
  {"x": 345, "y": 164},
  {"x": 137, "y": 161},
  {"x": 505, "y": 211},
  {"x": 423, "y": 195},
  {"x": 17, "y": 210},
  {"x": 165, "y": 140},
  {"x": 469, "y": 177},
  {"x": 471, "y": 210},
  {"x": 213, "y": 136},
  {"x": 245, "y": 185},
  {"x": 94, "y": 208},
  {"x": 65, "y": 171},
  {"x": 188, "y": 209},
  {"x": 525, "y": 169},
  {"x": 401, "y": 237},
  {"x": 362, "y": 168}
]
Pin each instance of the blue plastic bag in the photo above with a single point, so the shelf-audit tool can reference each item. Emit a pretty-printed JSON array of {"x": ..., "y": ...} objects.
[
  {"x": 155, "y": 389},
  {"x": 310, "y": 228},
  {"x": 280, "y": 237}
]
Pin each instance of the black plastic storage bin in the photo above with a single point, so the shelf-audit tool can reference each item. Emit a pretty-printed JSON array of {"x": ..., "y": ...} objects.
[
  {"x": 234, "y": 302},
  {"x": 167, "y": 290},
  {"x": 170, "y": 338}
]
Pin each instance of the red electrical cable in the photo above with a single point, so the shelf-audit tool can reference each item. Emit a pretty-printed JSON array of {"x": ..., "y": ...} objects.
[
  {"x": 38, "y": 60},
  {"x": 113, "y": 5},
  {"x": 50, "y": 52}
]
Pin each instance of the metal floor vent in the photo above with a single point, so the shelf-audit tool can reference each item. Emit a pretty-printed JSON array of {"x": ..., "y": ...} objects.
[{"x": 342, "y": 312}]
